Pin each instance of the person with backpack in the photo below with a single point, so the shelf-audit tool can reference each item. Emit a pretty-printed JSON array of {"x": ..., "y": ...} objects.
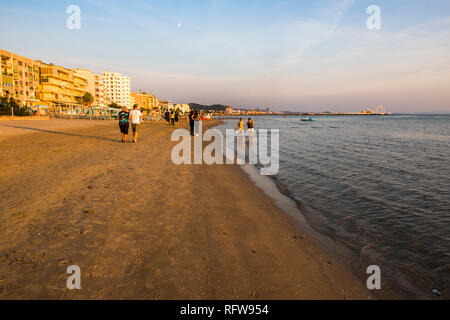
[{"x": 124, "y": 123}]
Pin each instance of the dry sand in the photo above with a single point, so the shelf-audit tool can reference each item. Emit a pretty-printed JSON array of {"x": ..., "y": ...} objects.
[
  {"x": 140, "y": 227},
  {"x": 17, "y": 127}
]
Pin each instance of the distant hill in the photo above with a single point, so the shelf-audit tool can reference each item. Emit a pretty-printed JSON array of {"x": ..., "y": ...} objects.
[{"x": 202, "y": 107}]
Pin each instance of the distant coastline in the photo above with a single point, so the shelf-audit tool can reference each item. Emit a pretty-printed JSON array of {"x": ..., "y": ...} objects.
[
  {"x": 220, "y": 109},
  {"x": 310, "y": 114}
]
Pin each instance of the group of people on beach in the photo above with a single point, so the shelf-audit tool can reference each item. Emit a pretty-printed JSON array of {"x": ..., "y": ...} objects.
[
  {"x": 172, "y": 117},
  {"x": 135, "y": 118},
  {"x": 125, "y": 117}
]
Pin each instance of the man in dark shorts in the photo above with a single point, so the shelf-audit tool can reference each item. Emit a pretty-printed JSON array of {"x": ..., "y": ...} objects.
[{"x": 124, "y": 123}]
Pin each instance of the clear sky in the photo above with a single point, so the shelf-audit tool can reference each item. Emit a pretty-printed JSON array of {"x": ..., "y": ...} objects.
[{"x": 286, "y": 54}]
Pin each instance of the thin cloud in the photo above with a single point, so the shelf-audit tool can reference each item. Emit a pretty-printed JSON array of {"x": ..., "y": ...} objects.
[{"x": 302, "y": 36}]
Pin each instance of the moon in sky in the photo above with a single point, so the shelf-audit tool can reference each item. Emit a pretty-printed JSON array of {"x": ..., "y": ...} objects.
[{"x": 179, "y": 25}]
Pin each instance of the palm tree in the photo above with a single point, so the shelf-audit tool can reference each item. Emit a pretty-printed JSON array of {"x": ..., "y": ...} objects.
[{"x": 87, "y": 99}]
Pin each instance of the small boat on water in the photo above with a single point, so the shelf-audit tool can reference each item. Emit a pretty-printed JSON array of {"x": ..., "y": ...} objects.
[{"x": 310, "y": 119}]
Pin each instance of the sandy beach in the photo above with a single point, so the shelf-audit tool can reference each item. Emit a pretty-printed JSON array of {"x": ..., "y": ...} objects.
[{"x": 140, "y": 227}]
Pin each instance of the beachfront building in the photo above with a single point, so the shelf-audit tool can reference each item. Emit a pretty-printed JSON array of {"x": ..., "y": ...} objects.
[
  {"x": 184, "y": 108},
  {"x": 165, "y": 105},
  {"x": 117, "y": 89},
  {"x": 228, "y": 110},
  {"x": 19, "y": 78},
  {"x": 95, "y": 86},
  {"x": 61, "y": 89},
  {"x": 145, "y": 100},
  {"x": 99, "y": 91}
]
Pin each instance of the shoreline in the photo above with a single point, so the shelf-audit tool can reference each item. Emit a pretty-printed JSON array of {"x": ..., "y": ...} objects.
[
  {"x": 197, "y": 245},
  {"x": 343, "y": 254},
  {"x": 303, "y": 218},
  {"x": 310, "y": 222}
]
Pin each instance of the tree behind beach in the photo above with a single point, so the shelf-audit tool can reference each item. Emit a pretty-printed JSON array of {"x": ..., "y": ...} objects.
[
  {"x": 11, "y": 107},
  {"x": 87, "y": 99}
]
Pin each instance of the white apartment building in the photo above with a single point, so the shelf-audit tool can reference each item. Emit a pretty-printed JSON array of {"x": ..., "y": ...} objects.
[
  {"x": 182, "y": 107},
  {"x": 95, "y": 86},
  {"x": 166, "y": 105},
  {"x": 117, "y": 89}
]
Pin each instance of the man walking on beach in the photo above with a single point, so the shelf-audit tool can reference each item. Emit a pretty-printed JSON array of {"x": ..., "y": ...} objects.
[{"x": 136, "y": 117}]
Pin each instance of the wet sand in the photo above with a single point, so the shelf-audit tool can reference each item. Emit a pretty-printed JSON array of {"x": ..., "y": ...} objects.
[{"x": 140, "y": 227}]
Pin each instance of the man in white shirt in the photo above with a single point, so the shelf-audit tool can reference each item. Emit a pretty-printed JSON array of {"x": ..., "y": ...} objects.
[{"x": 135, "y": 117}]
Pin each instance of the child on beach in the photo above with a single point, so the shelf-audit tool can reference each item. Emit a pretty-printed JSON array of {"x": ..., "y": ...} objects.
[{"x": 124, "y": 124}]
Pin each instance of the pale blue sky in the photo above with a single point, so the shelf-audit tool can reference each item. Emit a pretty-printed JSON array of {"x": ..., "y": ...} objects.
[{"x": 287, "y": 55}]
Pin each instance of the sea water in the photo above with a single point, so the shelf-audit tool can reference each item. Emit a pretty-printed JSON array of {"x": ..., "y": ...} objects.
[{"x": 380, "y": 185}]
